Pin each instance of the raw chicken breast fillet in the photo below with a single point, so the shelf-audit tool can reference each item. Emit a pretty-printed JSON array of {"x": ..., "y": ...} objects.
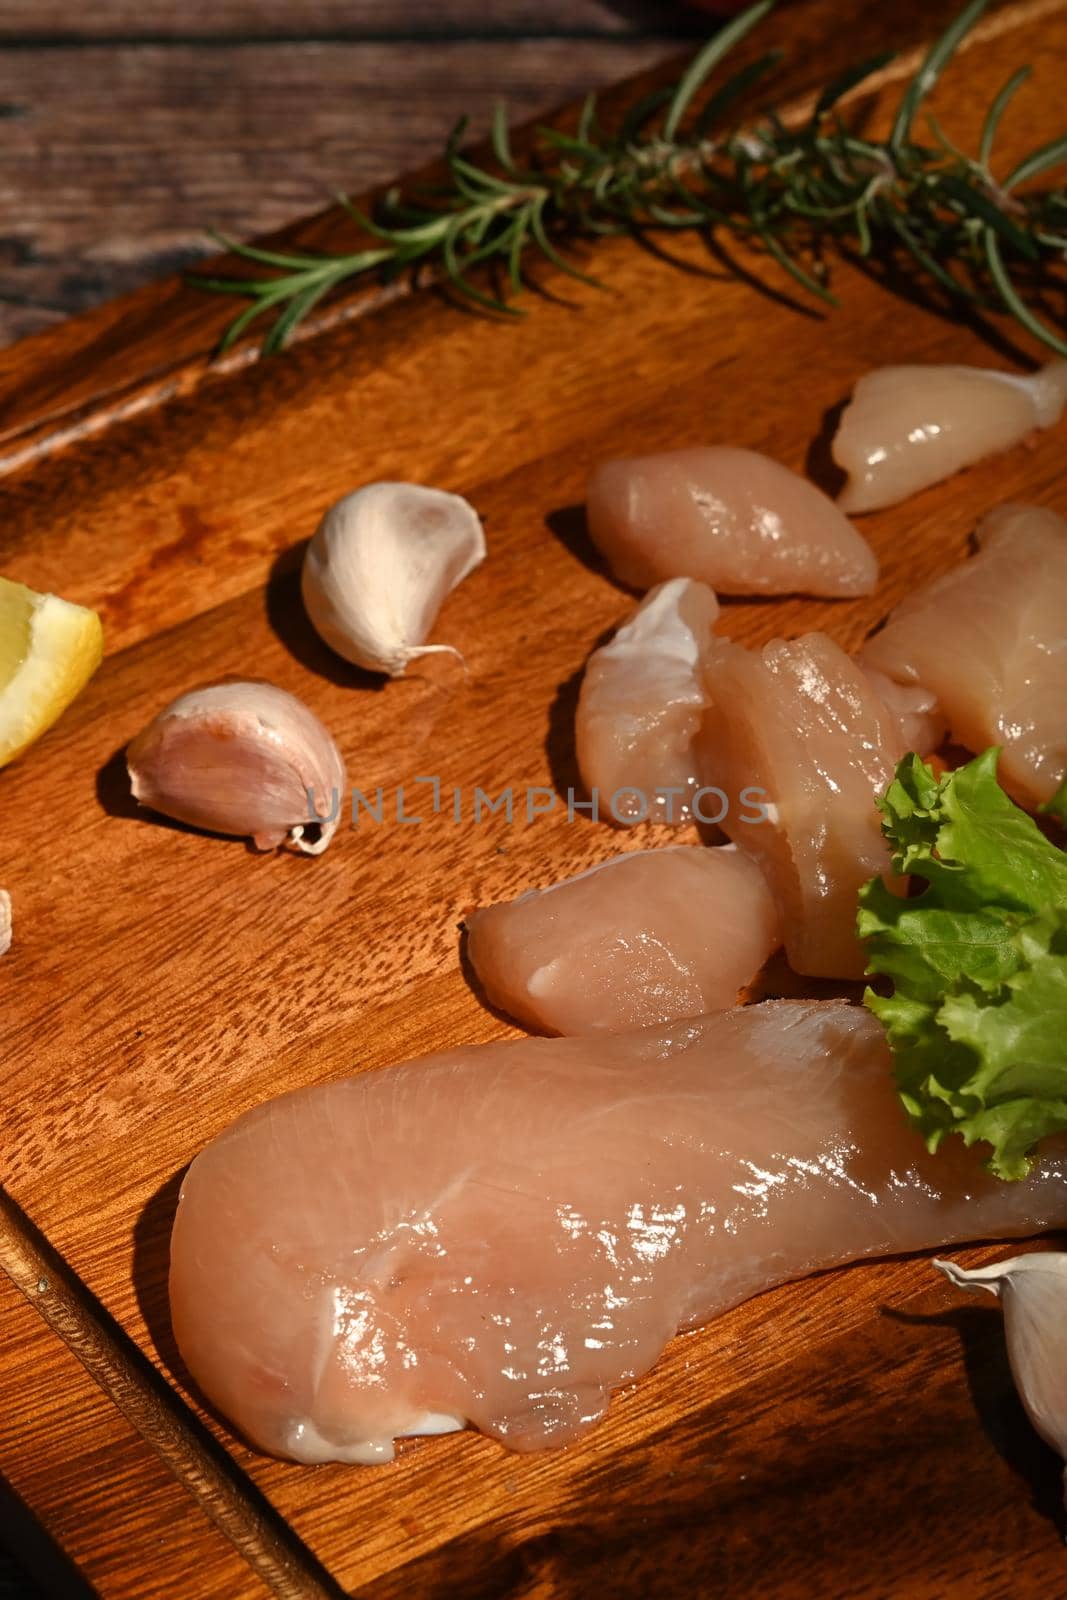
[
  {"x": 733, "y": 518},
  {"x": 644, "y": 938},
  {"x": 501, "y": 1235},
  {"x": 640, "y": 705},
  {"x": 989, "y": 639},
  {"x": 799, "y": 723},
  {"x": 909, "y": 427}
]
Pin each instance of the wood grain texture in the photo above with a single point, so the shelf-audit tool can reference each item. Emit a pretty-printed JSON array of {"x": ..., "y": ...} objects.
[
  {"x": 133, "y": 1552},
  {"x": 153, "y": 125},
  {"x": 161, "y": 981},
  {"x": 93, "y": 1483},
  {"x": 127, "y": 356},
  {"x": 343, "y": 19}
]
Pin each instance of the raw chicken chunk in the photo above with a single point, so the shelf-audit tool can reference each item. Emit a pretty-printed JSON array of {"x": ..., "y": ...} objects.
[
  {"x": 501, "y": 1235},
  {"x": 643, "y": 938},
  {"x": 908, "y": 427},
  {"x": 922, "y": 725},
  {"x": 989, "y": 639},
  {"x": 798, "y": 723},
  {"x": 640, "y": 705},
  {"x": 732, "y": 518}
]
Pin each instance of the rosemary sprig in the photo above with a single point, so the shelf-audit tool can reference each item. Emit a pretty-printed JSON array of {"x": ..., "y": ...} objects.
[{"x": 668, "y": 165}]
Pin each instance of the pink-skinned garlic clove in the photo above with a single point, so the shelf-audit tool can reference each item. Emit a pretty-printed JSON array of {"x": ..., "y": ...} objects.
[
  {"x": 242, "y": 758},
  {"x": 5, "y": 922}
]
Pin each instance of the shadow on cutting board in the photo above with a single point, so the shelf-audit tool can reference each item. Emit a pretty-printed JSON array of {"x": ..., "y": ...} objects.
[
  {"x": 32, "y": 1565},
  {"x": 997, "y": 1404},
  {"x": 819, "y": 464},
  {"x": 151, "y": 1265},
  {"x": 288, "y": 619},
  {"x": 151, "y": 1270},
  {"x": 898, "y": 278},
  {"x": 570, "y": 526}
]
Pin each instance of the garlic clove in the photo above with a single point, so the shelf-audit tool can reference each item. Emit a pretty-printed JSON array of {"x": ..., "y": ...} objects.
[
  {"x": 241, "y": 758},
  {"x": 1033, "y": 1291},
  {"x": 379, "y": 567},
  {"x": 5, "y": 922}
]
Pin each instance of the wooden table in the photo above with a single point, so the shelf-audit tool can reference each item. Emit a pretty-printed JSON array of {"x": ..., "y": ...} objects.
[{"x": 131, "y": 127}]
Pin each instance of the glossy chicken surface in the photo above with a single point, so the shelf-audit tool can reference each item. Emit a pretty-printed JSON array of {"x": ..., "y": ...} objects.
[
  {"x": 501, "y": 1235},
  {"x": 989, "y": 640},
  {"x": 906, "y": 428},
  {"x": 646, "y": 937},
  {"x": 915, "y": 708},
  {"x": 799, "y": 723},
  {"x": 732, "y": 518},
  {"x": 640, "y": 705}
]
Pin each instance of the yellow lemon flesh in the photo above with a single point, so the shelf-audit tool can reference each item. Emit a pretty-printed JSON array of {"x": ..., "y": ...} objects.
[{"x": 49, "y": 649}]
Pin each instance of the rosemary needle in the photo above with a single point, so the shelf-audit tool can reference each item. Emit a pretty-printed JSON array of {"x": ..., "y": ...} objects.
[{"x": 672, "y": 164}]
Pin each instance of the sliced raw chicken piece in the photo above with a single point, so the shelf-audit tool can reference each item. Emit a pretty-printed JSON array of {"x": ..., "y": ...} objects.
[
  {"x": 798, "y": 726},
  {"x": 922, "y": 724},
  {"x": 989, "y": 639},
  {"x": 501, "y": 1235},
  {"x": 732, "y": 518},
  {"x": 644, "y": 938},
  {"x": 908, "y": 427},
  {"x": 640, "y": 705}
]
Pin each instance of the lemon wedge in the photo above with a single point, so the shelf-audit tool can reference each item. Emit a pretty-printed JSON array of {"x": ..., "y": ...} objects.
[{"x": 49, "y": 649}]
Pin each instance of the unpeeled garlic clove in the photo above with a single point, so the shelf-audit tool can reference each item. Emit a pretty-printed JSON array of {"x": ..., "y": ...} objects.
[
  {"x": 380, "y": 565},
  {"x": 5, "y": 922},
  {"x": 241, "y": 758},
  {"x": 1033, "y": 1291}
]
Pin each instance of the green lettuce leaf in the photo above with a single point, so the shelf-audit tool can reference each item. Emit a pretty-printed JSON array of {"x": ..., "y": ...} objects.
[
  {"x": 977, "y": 1017},
  {"x": 1057, "y": 806}
]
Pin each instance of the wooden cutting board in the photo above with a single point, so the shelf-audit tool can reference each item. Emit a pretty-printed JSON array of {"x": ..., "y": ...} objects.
[{"x": 855, "y": 1434}]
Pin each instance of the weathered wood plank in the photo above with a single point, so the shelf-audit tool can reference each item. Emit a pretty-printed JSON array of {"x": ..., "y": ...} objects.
[
  {"x": 126, "y": 355},
  {"x": 343, "y": 19},
  {"x": 119, "y": 160}
]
